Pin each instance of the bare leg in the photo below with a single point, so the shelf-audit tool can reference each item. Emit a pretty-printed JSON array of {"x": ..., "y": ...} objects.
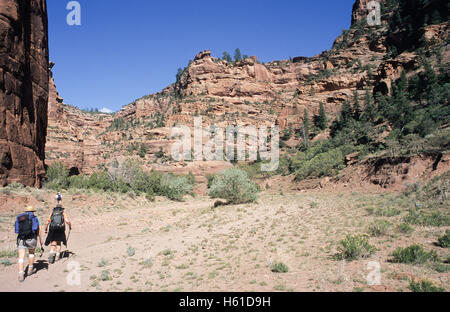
[
  {"x": 58, "y": 250},
  {"x": 52, "y": 255},
  {"x": 21, "y": 259},
  {"x": 30, "y": 261},
  {"x": 20, "y": 262}
]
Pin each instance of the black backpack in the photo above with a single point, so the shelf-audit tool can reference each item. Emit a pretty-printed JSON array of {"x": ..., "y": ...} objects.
[
  {"x": 24, "y": 226},
  {"x": 57, "y": 220}
]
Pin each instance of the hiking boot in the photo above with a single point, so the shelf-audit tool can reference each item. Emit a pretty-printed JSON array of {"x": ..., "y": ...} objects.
[
  {"x": 21, "y": 277},
  {"x": 51, "y": 258}
]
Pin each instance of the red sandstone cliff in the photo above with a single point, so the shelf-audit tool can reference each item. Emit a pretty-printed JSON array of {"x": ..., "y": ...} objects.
[{"x": 23, "y": 90}]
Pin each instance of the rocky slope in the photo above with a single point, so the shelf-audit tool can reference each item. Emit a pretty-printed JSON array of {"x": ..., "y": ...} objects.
[
  {"x": 245, "y": 92},
  {"x": 23, "y": 90}
]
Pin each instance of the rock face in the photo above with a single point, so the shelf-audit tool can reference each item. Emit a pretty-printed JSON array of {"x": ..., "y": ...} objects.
[
  {"x": 23, "y": 90},
  {"x": 224, "y": 93}
]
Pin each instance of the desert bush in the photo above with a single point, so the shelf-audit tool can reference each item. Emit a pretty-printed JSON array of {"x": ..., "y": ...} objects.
[
  {"x": 414, "y": 254},
  {"x": 175, "y": 187},
  {"x": 424, "y": 286},
  {"x": 105, "y": 276},
  {"x": 209, "y": 179},
  {"x": 57, "y": 176},
  {"x": 353, "y": 247},
  {"x": 16, "y": 186},
  {"x": 444, "y": 241},
  {"x": 125, "y": 177},
  {"x": 404, "y": 228},
  {"x": 379, "y": 228},
  {"x": 425, "y": 218},
  {"x": 131, "y": 251},
  {"x": 279, "y": 267},
  {"x": 441, "y": 267},
  {"x": 79, "y": 182},
  {"x": 324, "y": 164},
  {"x": 6, "y": 262},
  {"x": 103, "y": 262},
  {"x": 234, "y": 186},
  {"x": 101, "y": 181}
]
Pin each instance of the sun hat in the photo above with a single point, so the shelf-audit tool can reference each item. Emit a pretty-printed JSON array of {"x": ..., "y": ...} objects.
[{"x": 30, "y": 209}]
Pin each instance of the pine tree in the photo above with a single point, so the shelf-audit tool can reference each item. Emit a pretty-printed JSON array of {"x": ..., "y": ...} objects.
[
  {"x": 306, "y": 126},
  {"x": 356, "y": 107},
  {"x": 346, "y": 112},
  {"x": 227, "y": 57},
  {"x": 179, "y": 74},
  {"x": 237, "y": 55},
  {"x": 322, "y": 119},
  {"x": 369, "y": 108}
]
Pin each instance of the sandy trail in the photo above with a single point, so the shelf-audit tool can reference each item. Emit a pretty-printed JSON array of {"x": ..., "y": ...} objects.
[{"x": 124, "y": 244}]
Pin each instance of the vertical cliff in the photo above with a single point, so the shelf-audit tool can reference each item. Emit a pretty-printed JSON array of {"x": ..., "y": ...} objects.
[{"x": 24, "y": 77}]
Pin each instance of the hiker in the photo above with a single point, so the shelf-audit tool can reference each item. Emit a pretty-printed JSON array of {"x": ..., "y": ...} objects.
[
  {"x": 58, "y": 198},
  {"x": 57, "y": 232},
  {"x": 28, "y": 230}
]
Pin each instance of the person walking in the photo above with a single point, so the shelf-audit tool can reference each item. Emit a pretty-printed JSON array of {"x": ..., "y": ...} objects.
[
  {"x": 27, "y": 228},
  {"x": 56, "y": 229}
]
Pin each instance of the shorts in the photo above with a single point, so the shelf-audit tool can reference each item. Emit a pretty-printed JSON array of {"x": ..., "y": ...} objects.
[{"x": 30, "y": 243}]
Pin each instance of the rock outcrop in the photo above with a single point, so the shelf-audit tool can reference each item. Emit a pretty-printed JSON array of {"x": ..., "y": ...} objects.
[
  {"x": 224, "y": 93},
  {"x": 24, "y": 80}
]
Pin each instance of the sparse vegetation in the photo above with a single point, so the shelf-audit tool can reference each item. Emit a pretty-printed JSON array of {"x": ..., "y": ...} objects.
[
  {"x": 414, "y": 254},
  {"x": 379, "y": 228},
  {"x": 279, "y": 267},
  {"x": 233, "y": 185},
  {"x": 444, "y": 241},
  {"x": 424, "y": 286},
  {"x": 126, "y": 177},
  {"x": 131, "y": 251},
  {"x": 352, "y": 247}
]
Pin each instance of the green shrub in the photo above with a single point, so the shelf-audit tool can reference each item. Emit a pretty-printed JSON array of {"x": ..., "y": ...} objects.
[
  {"x": 103, "y": 262},
  {"x": 444, "y": 241},
  {"x": 131, "y": 251},
  {"x": 379, "y": 228},
  {"x": 404, "y": 228},
  {"x": 16, "y": 185},
  {"x": 424, "y": 286},
  {"x": 57, "y": 176},
  {"x": 425, "y": 218},
  {"x": 209, "y": 179},
  {"x": 414, "y": 254},
  {"x": 175, "y": 187},
  {"x": 6, "y": 262},
  {"x": 353, "y": 247},
  {"x": 105, "y": 276},
  {"x": 234, "y": 186},
  {"x": 280, "y": 268},
  {"x": 324, "y": 164},
  {"x": 441, "y": 267}
]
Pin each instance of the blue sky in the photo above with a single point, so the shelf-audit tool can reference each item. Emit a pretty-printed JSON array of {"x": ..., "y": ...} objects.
[{"x": 124, "y": 50}]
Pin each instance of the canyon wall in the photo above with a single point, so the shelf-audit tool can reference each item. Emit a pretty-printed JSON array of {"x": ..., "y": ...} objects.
[{"x": 23, "y": 90}]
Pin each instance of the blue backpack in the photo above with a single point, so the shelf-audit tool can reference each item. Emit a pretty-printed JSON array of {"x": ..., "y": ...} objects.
[{"x": 26, "y": 225}]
